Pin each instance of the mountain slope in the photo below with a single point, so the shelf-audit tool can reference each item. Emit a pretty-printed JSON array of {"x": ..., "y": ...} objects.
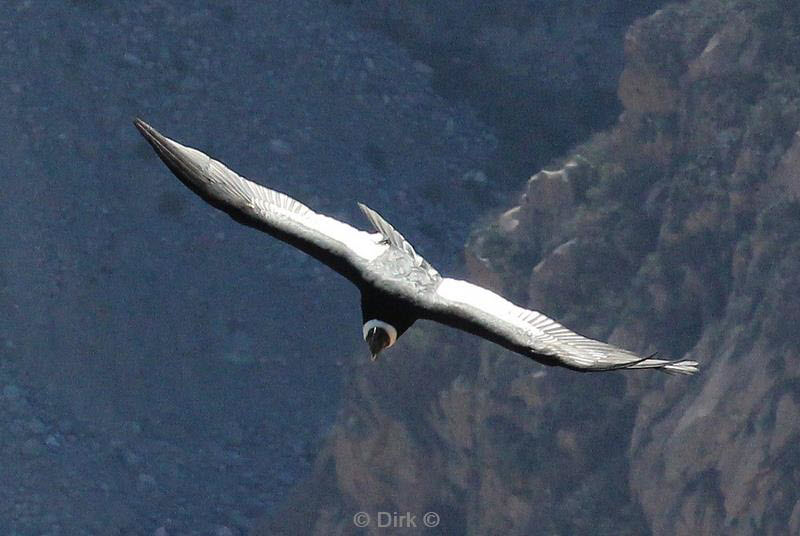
[{"x": 677, "y": 230}]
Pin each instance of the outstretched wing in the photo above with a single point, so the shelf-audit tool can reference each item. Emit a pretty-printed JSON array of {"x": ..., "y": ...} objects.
[
  {"x": 338, "y": 245},
  {"x": 480, "y": 311}
]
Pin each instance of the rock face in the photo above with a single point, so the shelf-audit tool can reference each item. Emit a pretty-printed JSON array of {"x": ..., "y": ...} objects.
[
  {"x": 681, "y": 233},
  {"x": 542, "y": 72}
]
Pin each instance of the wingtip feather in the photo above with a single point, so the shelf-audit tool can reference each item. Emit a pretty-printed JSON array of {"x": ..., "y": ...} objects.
[
  {"x": 366, "y": 211},
  {"x": 687, "y": 367},
  {"x": 144, "y": 128}
]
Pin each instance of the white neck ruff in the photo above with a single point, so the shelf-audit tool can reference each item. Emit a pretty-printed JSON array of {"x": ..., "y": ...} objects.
[{"x": 388, "y": 328}]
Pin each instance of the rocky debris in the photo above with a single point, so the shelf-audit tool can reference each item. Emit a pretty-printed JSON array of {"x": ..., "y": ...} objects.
[
  {"x": 787, "y": 175},
  {"x": 475, "y": 177},
  {"x": 12, "y": 392},
  {"x": 548, "y": 277},
  {"x": 649, "y": 81},
  {"x": 734, "y": 50},
  {"x": 60, "y": 476},
  {"x": 547, "y": 201},
  {"x": 280, "y": 147}
]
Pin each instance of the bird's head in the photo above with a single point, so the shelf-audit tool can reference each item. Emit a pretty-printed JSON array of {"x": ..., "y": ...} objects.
[{"x": 379, "y": 335}]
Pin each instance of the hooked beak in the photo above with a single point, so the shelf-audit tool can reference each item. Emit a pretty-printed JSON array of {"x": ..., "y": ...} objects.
[{"x": 377, "y": 339}]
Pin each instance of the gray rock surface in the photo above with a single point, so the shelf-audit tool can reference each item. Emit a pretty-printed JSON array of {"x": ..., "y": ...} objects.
[
  {"x": 163, "y": 367},
  {"x": 683, "y": 236}
]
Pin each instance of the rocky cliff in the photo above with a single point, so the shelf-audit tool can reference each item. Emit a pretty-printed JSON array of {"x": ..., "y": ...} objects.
[
  {"x": 542, "y": 72},
  {"x": 676, "y": 230}
]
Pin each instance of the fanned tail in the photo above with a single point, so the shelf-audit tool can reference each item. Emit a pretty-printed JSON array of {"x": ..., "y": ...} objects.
[
  {"x": 684, "y": 366},
  {"x": 687, "y": 367}
]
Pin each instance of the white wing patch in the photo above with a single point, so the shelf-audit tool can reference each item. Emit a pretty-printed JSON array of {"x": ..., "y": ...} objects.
[
  {"x": 269, "y": 202},
  {"x": 365, "y": 245},
  {"x": 542, "y": 332},
  {"x": 548, "y": 337},
  {"x": 495, "y": 305}
]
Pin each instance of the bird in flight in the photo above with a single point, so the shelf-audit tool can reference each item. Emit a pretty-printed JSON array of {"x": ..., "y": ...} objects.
[{"x": 397, "y": 285}]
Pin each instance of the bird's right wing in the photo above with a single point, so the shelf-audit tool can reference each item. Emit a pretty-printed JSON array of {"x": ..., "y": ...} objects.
[
  {"x": 480, "y": 311},
  {"x": 335, "y": 243}
]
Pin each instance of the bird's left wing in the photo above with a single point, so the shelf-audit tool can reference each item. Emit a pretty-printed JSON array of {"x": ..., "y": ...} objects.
[
  {"x": 340, "y": 246},
  {"x": 480, "y": 311}
]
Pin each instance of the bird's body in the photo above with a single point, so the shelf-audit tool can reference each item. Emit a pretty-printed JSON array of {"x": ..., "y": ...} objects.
[{"x": 397, "y": 285}]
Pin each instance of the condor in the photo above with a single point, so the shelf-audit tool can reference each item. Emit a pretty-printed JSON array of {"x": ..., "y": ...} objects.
[{"x": 397, "y": 285}]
